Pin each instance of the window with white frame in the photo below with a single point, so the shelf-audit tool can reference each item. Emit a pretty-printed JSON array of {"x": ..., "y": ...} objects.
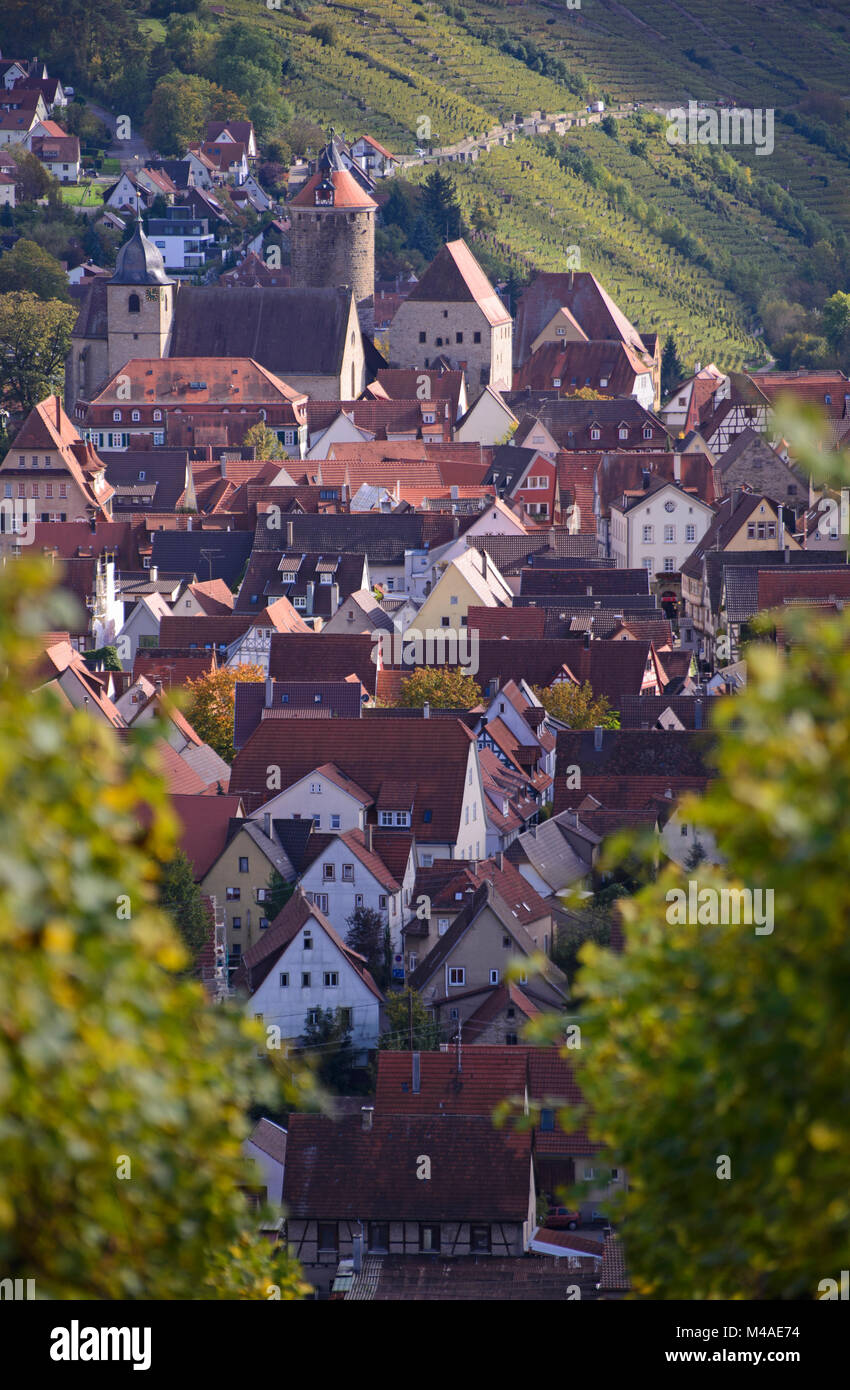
[
  {"x": 494, "y": 977},
  {"x": 331, "y": 979},
  {"x": 315, "y": 788},
  {"x": 382, "y": 901},
  {"x": 335, "y": 822},
  {"x": 348, "y": 873},
  {"x": 669, "y": 563},
  {"x": 457, "y": 975},
  {"x": 690, "y": 533},
  {"x": 647, "y": 534}
]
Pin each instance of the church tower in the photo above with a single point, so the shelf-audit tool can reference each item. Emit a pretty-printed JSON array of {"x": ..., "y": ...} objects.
[
  {"x": 139, "y": 303},
  {"x": 332, "y": 235}
]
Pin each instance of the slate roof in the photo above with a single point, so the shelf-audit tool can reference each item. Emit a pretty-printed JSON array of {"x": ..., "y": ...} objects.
[
  {"x": 338, "y": 1171},
  {"x": 181, "y": 552},
  {"x": 382, "y": 539},
  {"x": 299, "y": 331},
  {"x": 595, "y": 583},
  {"x": 510, "y": 554},
  {"x": 715, "y": 563},
  {"x": 612, "y": 669}
]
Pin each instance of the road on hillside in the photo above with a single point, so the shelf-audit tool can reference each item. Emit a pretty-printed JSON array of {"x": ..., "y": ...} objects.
[{"x": 128, "y": 152}]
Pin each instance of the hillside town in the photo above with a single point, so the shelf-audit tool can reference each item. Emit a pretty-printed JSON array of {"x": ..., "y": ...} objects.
[{"x": 423, "y": 591}]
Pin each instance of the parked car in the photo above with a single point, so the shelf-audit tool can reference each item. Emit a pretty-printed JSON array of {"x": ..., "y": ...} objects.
[{"x": 562, "y": 1219}]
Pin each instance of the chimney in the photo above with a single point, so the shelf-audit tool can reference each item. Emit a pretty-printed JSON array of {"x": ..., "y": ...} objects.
[
  {"x": 267, "y": 824},
  {"x": 416, "y": 1077},
  {"x": 366, "y": 1112},
  {"x": 357, "y": 1254},
  {"x": 677, "y": 468},
  {"x": 269, "y": 693},
  {"x": 697, "y": 714},
  {"x": 587, "y": 641},
  {"x": 787, "y": 554},
  {"x": 58, "y": 413},
  {"x": 455, "y": 528},
  {"x": 426, "y": 710},
  {"x": 500, "y": 860},
  {"x": 154, "y": 572},
  {"x": 188, "y": 523},
  {"x": 224, "y": 465},
  {"x": 644, "y": 474},
  {"x": 370, "y": 832},
  {"x": 290, "y": 535},
  {"x": 455, "y": 491},
  {"x": 590, "y": 590},
  {"x": 157, "y": 685},
  {"x": 597, "y": 738},
  {"x": 484, "y": 563}
]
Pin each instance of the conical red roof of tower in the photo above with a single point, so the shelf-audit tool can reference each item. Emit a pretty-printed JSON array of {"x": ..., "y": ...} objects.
[{"x": 347, "y": 191}]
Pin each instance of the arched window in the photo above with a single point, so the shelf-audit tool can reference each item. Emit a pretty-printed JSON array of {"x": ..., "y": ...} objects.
[{"x": 133, "y": 304}]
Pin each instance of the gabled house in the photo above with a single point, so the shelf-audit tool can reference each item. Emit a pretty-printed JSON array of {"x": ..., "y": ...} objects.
[
  {"x": 348, "y": 871},
  {"x": 657, "y": 526},
  {"x": 470, "y": 579},
  {"x": 52, "y": 472},
  {"x": 418, "y": 777},
  {"x": 448, "y": 886},
  {"x": 299, "y": 965},
  {"x": 469, "y": 961},
  {"x": 361, "y": 1181},
  {"x": 454, "y": 312},
  {"x": 238, "y": 878}
]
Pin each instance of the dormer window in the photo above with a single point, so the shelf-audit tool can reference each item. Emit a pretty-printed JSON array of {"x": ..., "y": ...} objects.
[
  {"x": 157, "y": 415},
  {"x": 827, "y": 400},
  {"x": 624, "y": 432},
  {"x": 556, "y": 381},
  {"x": 647, "y": 432},
  {"x": 324, "y": 194},
  {"x": 136, "y": 416},
  {"x": 116, "y": 415},
  {"x": 595, "y": 433}
]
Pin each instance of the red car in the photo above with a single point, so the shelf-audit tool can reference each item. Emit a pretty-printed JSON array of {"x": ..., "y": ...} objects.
[{"x": 562, "y": 1219}]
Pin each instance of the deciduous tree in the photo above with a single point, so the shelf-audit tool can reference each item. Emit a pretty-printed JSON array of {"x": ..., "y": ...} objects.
[
  {"x": 35, "y": 338},
  {"x": 125, "y": 1092},
  {"x": 444, "y": 687},
  {"x": 577, "y": 706},
  {"x": 211, "y": 704}
]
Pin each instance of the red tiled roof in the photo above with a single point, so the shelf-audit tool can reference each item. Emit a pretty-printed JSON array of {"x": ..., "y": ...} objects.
[
  {"x": 204, "y": 823},
  {"x": 432, "y": 754},
  {"x": 339, "y": 1170},
  {"x": 347, "y": 192}
]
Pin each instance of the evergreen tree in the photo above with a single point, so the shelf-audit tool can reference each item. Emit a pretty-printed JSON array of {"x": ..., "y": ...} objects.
[
  {"x": 278, "y": 893},
  {"x": 180, "y": 897},
  {"x": 369, "y": 935},
  {"x": 441, "y": 207},
  {"x": 672, "y": 371},
  {"x": 327, "y": 1035}
]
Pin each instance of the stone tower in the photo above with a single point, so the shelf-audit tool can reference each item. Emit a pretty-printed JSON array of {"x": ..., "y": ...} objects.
[
  {"x": 139, "y": 304},
  {"x": 332, "y": 236}
]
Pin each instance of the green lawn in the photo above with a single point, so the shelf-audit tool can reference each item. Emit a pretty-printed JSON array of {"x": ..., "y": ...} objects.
[{"x": 82, "y": 195}]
